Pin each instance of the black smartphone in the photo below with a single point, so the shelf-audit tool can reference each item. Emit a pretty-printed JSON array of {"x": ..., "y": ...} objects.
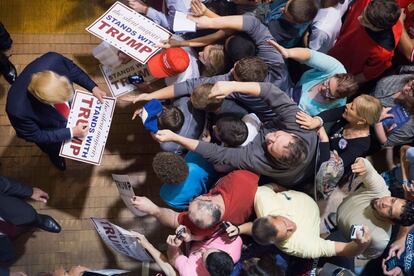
[{"x": 391, "y": 263}]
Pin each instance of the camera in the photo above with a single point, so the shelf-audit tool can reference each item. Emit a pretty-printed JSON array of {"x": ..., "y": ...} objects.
[{"x": 355, "y": 229}]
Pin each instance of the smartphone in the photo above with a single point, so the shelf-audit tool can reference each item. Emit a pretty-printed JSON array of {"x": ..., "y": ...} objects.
[
  {"x": 135, "y": 79},
  {"x": 355, "y": 229},
  {"x": 391, "y": 263},
  {"x": 180, "y": 233}
]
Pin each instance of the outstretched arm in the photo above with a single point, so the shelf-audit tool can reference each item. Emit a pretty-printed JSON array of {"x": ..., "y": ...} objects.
[
  {"x": 161, "y": 94},
  {"x": 234, "y": 22},
  {"x": 166, "y": 216},
  {"x": 196, "y": 42},
  {"x": 355, "y": 247}
]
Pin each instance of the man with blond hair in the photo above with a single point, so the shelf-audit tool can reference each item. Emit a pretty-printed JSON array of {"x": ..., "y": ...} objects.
[{"x": 38, "y": 103}]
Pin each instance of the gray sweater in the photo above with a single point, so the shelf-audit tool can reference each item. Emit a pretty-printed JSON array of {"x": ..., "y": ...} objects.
[
  {"x": 277, "y": 75},
  {"x": 384, "y": 91},
  {"x": 254, "y": 156}
]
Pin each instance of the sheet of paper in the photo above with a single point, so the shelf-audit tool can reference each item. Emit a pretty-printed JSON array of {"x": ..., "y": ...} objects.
[
  {"x": 108, "y": 272},
  {"x": 87, "y": 109},
  {"x": 126, "y": 192},
  {"x": 182, "y": 24}
]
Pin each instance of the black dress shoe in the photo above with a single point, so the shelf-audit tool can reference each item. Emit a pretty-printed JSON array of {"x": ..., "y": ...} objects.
[
  {"x": 59, "y": 162},
  {"x": 47, "y": 223},
  {"x": 7, "y": 69}
]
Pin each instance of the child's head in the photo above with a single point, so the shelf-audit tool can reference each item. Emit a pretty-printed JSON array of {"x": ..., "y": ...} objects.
[
  {"x": 214, "y": 59},
  {"x": 300, "y": 11},
  {"x": 218, "y": 262},
  {"x": 170, "y": 168},
  {"x": 171, "y": 118},
  {"x": 200, "y": 98},
  {"x": 250, "y": 69},
  {"x": 380, "y": 15},
  {"x": 231, "y": 131},
  {"x": 239, "y": 46}
]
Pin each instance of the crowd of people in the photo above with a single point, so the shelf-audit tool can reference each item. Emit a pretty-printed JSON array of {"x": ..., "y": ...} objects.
[{"x": 280, "y": 107}]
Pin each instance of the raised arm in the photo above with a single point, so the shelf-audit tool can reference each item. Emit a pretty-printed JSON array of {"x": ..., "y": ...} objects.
[
  {"x": 235, "y": 157},
  {"x": 196, "y": 42},
  {"x": 234, "y": 22},
  {"x": 370, "y": 177},
  {"x": 160, "y": 94},
  {"x": 160, "y": 259}
]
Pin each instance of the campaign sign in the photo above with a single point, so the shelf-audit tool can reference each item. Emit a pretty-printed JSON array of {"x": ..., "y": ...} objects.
[
  {"x": 117, "y": 78},
  {"x": 126, "y": 192},
  {"x": 120, "y": 240},
  {"x": 128, "y": 31},
  {"x": 86, "y": 109}
]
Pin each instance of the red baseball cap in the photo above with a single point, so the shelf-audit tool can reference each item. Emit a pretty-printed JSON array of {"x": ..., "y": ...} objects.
[{"x": 168, "y": 62}]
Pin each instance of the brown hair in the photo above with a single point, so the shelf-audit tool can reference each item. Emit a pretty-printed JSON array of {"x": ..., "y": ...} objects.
[
  {"x": 170, "y": 168},
  {"x": 171, "y": 118},
  {"x": 251, "y": 69},
  {"x": 200, "y": 100},
  {"x": 346, "y": 85},
  {"x": 302, "y": 11}
]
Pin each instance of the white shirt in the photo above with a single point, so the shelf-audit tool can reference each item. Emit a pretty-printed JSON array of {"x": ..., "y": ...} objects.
[{"x": 326, "y": 26}]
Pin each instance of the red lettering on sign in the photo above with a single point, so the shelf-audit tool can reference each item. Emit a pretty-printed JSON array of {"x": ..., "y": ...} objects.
[
  {"x": 145, "y": 49},
  {"x": 104, "y": 24}
]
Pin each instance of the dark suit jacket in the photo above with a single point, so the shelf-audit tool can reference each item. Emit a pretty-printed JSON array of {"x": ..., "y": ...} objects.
[
  {"x": 33, "y": 120},
  {"x": 13, "y": 209}
]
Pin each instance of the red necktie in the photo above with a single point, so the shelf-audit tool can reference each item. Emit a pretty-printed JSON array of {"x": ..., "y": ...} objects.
[
  {"x": 63, "y": 109},
  {"x": 8, "y": 229}
]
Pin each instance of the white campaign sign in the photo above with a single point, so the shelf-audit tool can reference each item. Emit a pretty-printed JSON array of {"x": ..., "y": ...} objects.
[
  {"x": 120, "y": 240},
  {"x": 126, "y": 192},
  {"x": 117, "y": 78},
  {"x": 98, "y": 116},
  {"x": 130, "y": 32}
]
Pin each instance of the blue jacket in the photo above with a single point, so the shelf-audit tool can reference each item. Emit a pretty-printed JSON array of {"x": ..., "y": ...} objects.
[{"x": 33, "y": 120}]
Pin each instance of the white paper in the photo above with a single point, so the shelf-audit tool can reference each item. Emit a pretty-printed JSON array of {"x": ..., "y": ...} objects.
[
  {"x": 98, "y": 116},
  {"x": 129, "y": 32},
  {"x": 182, "y": 23},
  {"x": 126, "y": 192},
  {"x": 117, "y": 78},
  {"x": 109, "y": 272},
  {"x": 120, "y": 240}
]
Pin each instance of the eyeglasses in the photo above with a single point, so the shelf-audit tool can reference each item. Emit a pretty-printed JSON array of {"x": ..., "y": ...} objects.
[
  {"x": 408, "y": 88},
  {"x": 326, "y": 91}
]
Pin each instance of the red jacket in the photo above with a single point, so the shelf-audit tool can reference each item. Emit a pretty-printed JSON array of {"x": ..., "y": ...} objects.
[{"x": 356, "y": 50}]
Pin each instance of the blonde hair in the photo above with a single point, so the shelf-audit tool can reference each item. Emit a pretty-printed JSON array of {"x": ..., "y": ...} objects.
[
  {"x": 368, "y": 108},
  {"x": 50, "y": 87},
  {"x": 217, "y": 60},
  {"x": 200, "y": 100}
]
